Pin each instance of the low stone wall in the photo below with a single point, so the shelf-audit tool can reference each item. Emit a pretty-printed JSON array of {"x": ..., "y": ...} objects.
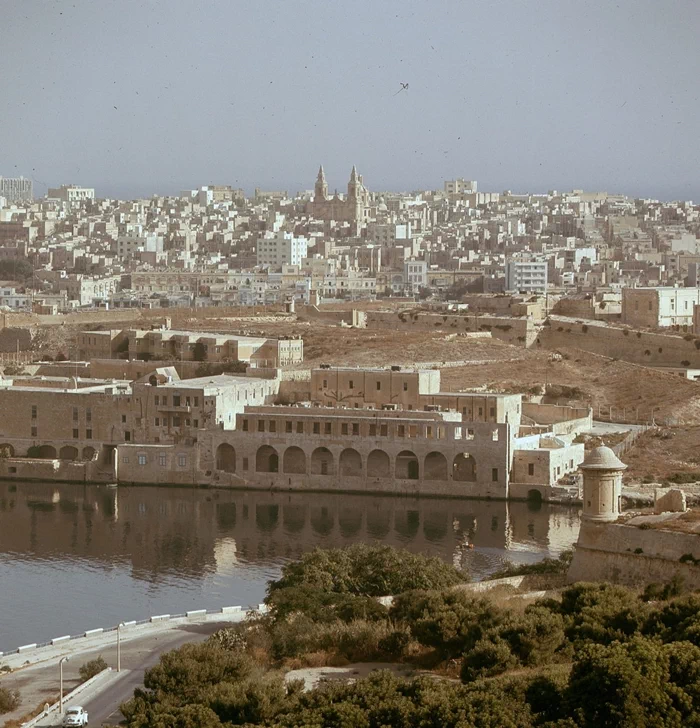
[
  {"x": 633, "y": 556},
  {"x": 518, "y": 331}
]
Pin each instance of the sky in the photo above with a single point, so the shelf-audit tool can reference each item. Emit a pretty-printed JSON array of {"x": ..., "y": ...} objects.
[{"x": 142, "y": 97}]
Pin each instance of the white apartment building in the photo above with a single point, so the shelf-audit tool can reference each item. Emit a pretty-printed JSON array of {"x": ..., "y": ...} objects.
[
  {"x": 281, "y": 248},
  {"x": 71, "y": 193},
  {"x": 526, "y": 275},
  {"x": 415, "y": 275}
]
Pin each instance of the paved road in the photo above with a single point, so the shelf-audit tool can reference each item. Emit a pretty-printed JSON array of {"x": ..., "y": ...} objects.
[{"x": 103, "y": 703}]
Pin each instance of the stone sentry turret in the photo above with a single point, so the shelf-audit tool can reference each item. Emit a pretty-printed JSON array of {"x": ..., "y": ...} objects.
[{"x": 602, "y": 486}]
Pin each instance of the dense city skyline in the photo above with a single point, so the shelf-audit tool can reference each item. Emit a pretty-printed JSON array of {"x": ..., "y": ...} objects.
[{"x": 521, "y": 96}]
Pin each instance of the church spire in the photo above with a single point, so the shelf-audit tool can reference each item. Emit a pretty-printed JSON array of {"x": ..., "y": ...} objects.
[
  {"x": 321, "y": 175},
  {"x": 353, "y": 174}
]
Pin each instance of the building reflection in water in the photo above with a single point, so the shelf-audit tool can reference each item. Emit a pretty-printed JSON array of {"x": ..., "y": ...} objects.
[{"x": 162, "y": 544}]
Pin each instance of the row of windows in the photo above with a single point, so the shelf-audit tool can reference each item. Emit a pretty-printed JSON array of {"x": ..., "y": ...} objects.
[
  {"x": 174, "y": 422},
  {"x": 351, "y": 385},
  {"x": 142, "y": 459},
  {"x": 373, "y": 430}
]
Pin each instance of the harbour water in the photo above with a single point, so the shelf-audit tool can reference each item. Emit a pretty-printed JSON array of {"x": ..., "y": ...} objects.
[{"x": 75, "y": 557}]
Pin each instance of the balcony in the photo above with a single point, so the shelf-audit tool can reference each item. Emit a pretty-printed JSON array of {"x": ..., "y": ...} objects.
[{"x": 184, "y": 409}]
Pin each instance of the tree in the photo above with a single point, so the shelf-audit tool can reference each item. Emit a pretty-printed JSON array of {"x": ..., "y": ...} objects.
[
  {"x": 200, "y": 352},
  {"x": 9, "y": 700},
  {"x": 16, "y": 269},
  {"x": 92, "y": 668}
]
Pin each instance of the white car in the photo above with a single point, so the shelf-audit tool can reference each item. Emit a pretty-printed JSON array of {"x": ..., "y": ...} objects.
[{"x": 75, "y": 716}]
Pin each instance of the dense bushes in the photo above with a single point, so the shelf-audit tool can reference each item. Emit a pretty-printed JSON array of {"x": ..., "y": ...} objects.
[
  {"x": 92, "y": 668},
  {"x": 600, "y": 656},
  {"x": 9, "y": 700},
  {"x": 366, "y": 570}
]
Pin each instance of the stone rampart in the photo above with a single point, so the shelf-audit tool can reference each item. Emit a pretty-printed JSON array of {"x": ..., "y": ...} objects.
[
  {"x": 517, "y": 331},
  {"x": 633, "y": 556},
  {"x": 647, "y": 348}
]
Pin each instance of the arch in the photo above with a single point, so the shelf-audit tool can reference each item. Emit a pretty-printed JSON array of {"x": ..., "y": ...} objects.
[
  {"x": 407, "y": 467},
  {"x": 534, "y": 495},
  {"x": 464, "y": 468},
  {"x": 68, "y": 452},
  {"x": 378, "y": 464},
  {"x": 435, "y": 466},
  {"x": 47, "y": 452},
  {"x": 267, "y": 460},
  {"x": 226, "y": 458},
  {"x": 322, "y": 462},
  {"x": 294, "y": 460},
  {"x": 89, "y": 453},
  {"x": 351, "y": 463},
  {"x": 7, "y": 451}
]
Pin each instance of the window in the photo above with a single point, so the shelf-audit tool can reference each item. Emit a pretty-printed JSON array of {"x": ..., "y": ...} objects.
[
  {"x": 196, "y": 401},
  {"x": 176, "y": 400},
  {"x": 142, "y": 459},
  {"x": 531, "y": 469},
  {"x": 157, "y": 399},
  {"x": 405, "y": 386},
  {"x": 401, "y": 431},
  {"x": 177, "y": 421},
  {"x": 493, "y": 411},
  {"x": 351, "y": 384},
  {"x": 494, "y": 435},
  {"x": 165, "y": 400},
  {"x": 156, "y": 422},
  {"x": 317, "y": 428},
  {"x": 76, "y": 434},
  {"x": 125, "y": 459},
  {"x": 245, "y": 426},
  {"x": 88, "y": 415},
  {"x": 162, "y": 460},
  {"x": 287, "y": 426},
  {"x": 273, "y": 426},
  {"x": 325, "y": 384},
  {"x": 245, "y": 463},
  {"x": 372, "y": 430},
  {"x": 494, "y": 475},
  {"x": 187, "y": 402},
  {"x": 88, "y": 434},
  {"x": 327, "y": 428},
  {"x": 33, "y": 411},
  {"x": 75, "y": 414},
  {"x": 34, "y": 431},
  {"x": 481, "y": 411},
  {"x": 123, "y": 418},
  {"x": 182, "y": 460},
  {"x": 300, "y": 428},
  {"x": 344, "y": 428},
  {"x": 127, "y": 436},
  {"x": 195, "y": 423},
  {"x": 383, "y": 430},
  {"x": 379, "y": 386},
  {"x": 187, "y": 421},
  {"x": 261, "y": 425}
]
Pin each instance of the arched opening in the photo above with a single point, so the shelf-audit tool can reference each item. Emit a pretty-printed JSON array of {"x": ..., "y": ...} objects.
[
  {"x": 89, "y": 453},
  {"x": 7, "y": 451},
  {"x": 322, "y": 462},
  {"x": 68, "y": 452},
  {"x": 351, "y": 463},
  {"x": 407, "y": 467},
  {"x": 464, "y": 468},
  {"x": 534, "y": 500},
  {"x": 226, "y": 458},
  {"x": 435, "y": 466},
  {"x": 47, "y": 452},
  {"x": 378, "y": 464},
  {"x": 266, "y": 460},
  {"x": 294, "y": 460}
]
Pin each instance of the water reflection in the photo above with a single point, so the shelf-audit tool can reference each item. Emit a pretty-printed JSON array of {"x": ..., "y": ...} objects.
[{"x": 74, "y": 557}]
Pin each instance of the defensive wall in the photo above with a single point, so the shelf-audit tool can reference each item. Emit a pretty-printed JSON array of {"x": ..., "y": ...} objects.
[
  {"x": 562, "y": 420},
  {"x": 517, "y": 331},
  {"x": 627, "y": 554},
  {"x": 647, "y": 348}
]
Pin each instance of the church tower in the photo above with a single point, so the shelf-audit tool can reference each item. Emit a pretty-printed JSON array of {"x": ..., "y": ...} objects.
[
  {"x": 353, "y": 185},
  {"x": 321, "y": 188}
]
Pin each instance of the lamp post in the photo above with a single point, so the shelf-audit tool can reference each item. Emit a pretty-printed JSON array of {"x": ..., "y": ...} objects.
[
  {"x": 60, "y": 701},
  {"x": 119, "y": 646}
]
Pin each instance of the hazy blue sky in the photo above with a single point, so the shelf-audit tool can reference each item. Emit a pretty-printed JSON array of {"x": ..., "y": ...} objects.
[{"x": 528, "y": 95}]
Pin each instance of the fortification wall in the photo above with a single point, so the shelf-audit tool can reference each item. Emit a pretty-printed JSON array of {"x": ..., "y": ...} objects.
[
  {"x": 629, "y": 555},
  {"x": 639, "y": 347},
  {"x": 516, "y": 331}
]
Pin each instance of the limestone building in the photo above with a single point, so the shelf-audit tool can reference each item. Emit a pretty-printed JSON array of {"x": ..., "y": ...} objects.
[
  {"x": 353, "y": 209},
  {"x": 660, "y": 307}
]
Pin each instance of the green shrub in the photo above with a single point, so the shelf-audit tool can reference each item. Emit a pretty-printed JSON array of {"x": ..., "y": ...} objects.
[
  {"x": 395, "y": 643},
  {"x": 322, "y": 606},
  {"x": 560, "y": 565},
  {"x": 9, "y": 700},
  {"x": 366, "y": 570},
  {"x": 92, "y": 668},
  {"x": 487, "y": 658}
]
